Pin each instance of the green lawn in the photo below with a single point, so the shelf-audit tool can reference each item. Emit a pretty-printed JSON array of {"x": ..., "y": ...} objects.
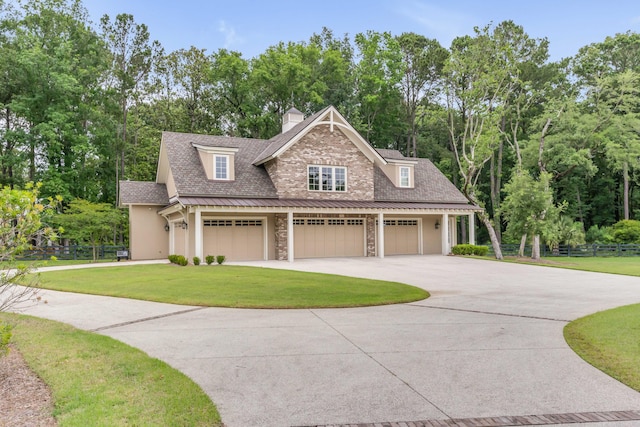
[
  {"x": 629, "y": 266},
  {"x": 96, "y": 380},
  {"x": 610, "y": 341},
  {"x": 231, "y": 286}
]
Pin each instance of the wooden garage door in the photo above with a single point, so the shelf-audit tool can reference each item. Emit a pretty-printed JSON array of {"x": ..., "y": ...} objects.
[
  {"x": 236, "y": 239},
  {"x": 401, "y": 237},
  {"x": 328, "y": 237}
]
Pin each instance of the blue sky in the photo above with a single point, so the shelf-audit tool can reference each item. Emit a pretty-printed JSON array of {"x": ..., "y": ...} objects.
[{"x": 252, "y": 26}]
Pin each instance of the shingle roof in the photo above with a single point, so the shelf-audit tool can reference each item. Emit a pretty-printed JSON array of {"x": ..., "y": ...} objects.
[
  {"x": 191, "y": 179},
  {"x": 390, "y": 154},
  {"x": 143, "y": 193},
  {"x": 430, "y": 186},
  {"x": 281, "y": 139}
]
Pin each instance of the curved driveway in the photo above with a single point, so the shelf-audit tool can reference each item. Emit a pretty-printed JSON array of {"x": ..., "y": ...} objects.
[{"x": 488, "y": 343}]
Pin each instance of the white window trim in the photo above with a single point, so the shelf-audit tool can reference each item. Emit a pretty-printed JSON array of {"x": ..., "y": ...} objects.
[
  {"x": 215, "y": 167},
  {"x": 400, "y": 170},
  {"x": 333, "y": 179}
]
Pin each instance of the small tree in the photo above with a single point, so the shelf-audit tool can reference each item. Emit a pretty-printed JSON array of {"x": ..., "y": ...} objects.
[
  {"x": 563, "y": 231},
  {"x": 21, "y": 222},
  {"x": 92, "y": 223}
]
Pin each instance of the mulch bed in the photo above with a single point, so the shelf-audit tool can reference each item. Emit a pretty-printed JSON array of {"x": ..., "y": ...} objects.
[{"x": 25, "y": 400}]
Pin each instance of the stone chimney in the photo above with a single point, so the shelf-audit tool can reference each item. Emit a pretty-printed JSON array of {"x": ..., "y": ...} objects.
[{"x": 291, "y": 118}]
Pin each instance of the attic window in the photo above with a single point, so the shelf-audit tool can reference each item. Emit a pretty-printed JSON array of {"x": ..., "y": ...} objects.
[
  {"x": 221, "y": 167},
  {"x": 404, "y": 176},
  {"x": 327, "y": 178}
]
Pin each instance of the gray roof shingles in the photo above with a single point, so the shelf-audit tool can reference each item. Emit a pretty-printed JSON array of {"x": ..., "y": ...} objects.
[
  {"x": 138, "y": 192},
  {"x": 252, "y": 180},
  {"x": 190, "y": 177}
]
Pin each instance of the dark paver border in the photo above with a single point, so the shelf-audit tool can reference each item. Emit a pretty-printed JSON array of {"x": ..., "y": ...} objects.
[{"x": 518, "y": 420}]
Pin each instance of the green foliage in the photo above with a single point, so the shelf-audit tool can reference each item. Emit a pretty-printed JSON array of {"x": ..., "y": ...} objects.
[
  {"x": 22, "y": 221},
  {"x": 467, "y": 249},
  {"x": 5, "y": 337},
  {"x": 626, "y": 231},
  {"x": 209, "y": 259},
  {"x": 87, "y": 222},
  {"x": 220, "y": 259},
  {"x": 563, "y": 231},
  {"x": 601, "y": 235},
  {"x": 196, "y": 260},
  {"x": 179, "y": 260}
]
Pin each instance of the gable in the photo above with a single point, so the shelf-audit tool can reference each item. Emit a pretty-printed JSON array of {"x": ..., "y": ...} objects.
[
  {"x": 328, "y": 116},
  {"x": 320, "y": 148}
]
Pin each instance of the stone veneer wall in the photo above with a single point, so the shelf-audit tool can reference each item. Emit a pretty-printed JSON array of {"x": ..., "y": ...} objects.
[
  {"x": 371, "y": 235},
  {"x": 322, "y": 147},
  {"x": 282, "y": 253}
]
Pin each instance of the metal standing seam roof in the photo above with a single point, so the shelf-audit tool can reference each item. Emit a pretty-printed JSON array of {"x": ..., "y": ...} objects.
[{"x": 307, "y": 203}]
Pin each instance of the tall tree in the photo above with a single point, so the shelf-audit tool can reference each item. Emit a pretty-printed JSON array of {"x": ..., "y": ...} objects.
[
  {"x": 378, "y": 75},
  {"x": 609, "y": 73},
  {"x": 423, "y": 60},
  {"x": 133, "y": 56}
]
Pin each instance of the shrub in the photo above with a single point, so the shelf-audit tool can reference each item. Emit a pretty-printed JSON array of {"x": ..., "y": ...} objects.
[
  {"x": 220, "y": 259},
  {"x": 626, "y": 231},
  {"x": 466, "y": 249},
  {"x": 178, "y": 259},
  {"x": 5, "y": 337},
  {"x": 600, "y": 235},
  {"x": 196, "y": 260},
  {"x": 209, "y": 259}
]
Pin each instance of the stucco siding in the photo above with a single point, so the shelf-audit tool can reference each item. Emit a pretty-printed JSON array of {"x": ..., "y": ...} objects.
[{"x": 147, "y": 236}]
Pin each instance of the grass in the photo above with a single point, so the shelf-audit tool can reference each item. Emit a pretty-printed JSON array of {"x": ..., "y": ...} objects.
[
  {"x": 51, "y": 263},
  {"x": 231, "y": 286},
  {"x": 610, "y": 341},
  {"x": 96, "y": 380},
  {"x": 628, "y": 266}
]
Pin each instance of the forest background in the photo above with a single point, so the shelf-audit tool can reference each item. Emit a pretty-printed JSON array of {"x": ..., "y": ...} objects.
[{"x": 549, "y": 148}]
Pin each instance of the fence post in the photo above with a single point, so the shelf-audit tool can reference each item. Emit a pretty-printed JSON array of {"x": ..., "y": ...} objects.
[
  {"x": 618, "y": 249},
  {"x": 75, "y": 252},
  {"x": 568, "y": 250},
  {"x": 595, "y": 251}
]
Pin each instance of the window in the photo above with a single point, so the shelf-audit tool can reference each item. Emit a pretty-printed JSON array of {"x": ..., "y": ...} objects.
[
  {"x": 404, "y": 176},
  {"x": 221, "y": 167},
  {"x": 327, "y": 178}
]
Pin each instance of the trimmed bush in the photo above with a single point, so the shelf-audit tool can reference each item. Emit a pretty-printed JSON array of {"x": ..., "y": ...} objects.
[
  {"x": 196, "y": 260},
  {"x": 220, "y": 259},
  {"x": 209, "y": 259},
  {"x": 178, "y": 259},
  {"x": 466, "y": 249}
]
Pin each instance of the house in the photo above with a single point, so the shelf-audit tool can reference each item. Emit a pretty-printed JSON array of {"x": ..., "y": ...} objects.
[{"x": 317, "y": 189}]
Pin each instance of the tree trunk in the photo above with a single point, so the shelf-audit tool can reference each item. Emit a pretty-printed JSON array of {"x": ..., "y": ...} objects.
[
  {"x": 523, "y": 242},
  {"x": 625, "y": 177},
  {"x": 535, "y": 248},
  {"x": 492, "y": 234},
  {"x": 463, "y": 229},
  {"x": 495, "y": 173}
]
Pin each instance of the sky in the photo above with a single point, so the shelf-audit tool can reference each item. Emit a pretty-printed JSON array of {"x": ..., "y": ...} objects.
[{"x": 250, "y": 27}]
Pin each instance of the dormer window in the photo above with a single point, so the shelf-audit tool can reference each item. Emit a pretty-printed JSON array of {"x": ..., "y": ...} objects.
[
  {"x": 405, "y": 174},
  {"x": 327, "y": 178},
  {"x": 218, "y": 162},
  {"x": 221, "y": 167}
]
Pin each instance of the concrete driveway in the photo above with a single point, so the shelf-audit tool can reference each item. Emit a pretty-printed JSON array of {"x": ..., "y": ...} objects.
[{"x": 486, "y": 348}]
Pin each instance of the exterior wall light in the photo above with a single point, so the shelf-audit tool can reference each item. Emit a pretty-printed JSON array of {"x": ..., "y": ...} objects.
[
  {"x": 184, "y": 225},
  {"x": 166, "y": 227},
  {"x": 437, "y": 224}
]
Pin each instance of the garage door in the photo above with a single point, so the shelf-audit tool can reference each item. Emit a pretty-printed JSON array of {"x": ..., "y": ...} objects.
[
  {"x": 328, "y": 237},
  {"x": 236, "y": 239},
  {"x": 401, "y": 237}
]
